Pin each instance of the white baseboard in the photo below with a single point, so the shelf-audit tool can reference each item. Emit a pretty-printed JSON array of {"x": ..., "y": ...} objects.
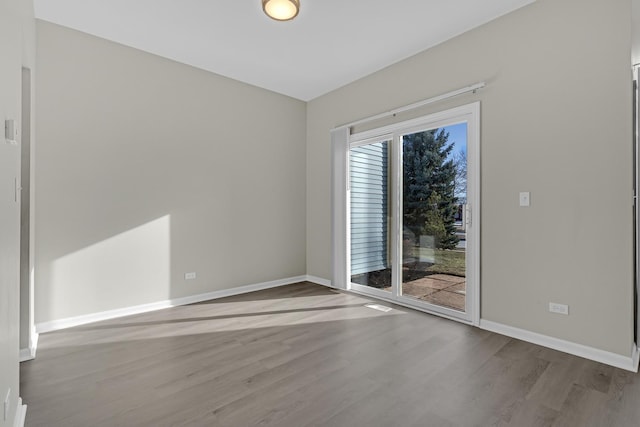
[
  {"x": 613, "y": 359},
  {"x": 21, "y": 413},
  {"x": 70, "y": 322},
  {"x": 628, "y": 363},
  {"x": 30, "y": 353},
  {"x": 319, "y": 281},
  {"x": 27, "y": 354}
]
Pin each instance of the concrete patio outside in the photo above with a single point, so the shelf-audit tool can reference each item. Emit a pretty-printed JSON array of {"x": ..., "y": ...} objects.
[{"x": 440, "y": 289}]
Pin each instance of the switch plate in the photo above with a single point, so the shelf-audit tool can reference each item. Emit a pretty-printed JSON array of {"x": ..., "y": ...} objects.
[
  {"x": 554, "y": 307},
  {"x": 190, "y": 276},
  {"x": 10, "y": 131},
  {"x": 525, "y": 198}
]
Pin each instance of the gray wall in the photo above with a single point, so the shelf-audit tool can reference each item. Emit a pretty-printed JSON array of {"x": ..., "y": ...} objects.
[
  {"x": 555, "y": 121},
  {"x": 17, "y": 43},
  {"x": 635, "y": 39},
  {"x": 148, "y": 169}
]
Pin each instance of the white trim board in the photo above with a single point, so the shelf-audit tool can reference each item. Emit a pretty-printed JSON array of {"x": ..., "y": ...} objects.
[
  {"x": 319, "y": 281},
  {"x": 27, "y": 354},
  {"x": 30, "y": 352},
  {"x": 70, "y": 322},
  {"x": 613, "y": 359},
  {"x": 21, "y": 413}
]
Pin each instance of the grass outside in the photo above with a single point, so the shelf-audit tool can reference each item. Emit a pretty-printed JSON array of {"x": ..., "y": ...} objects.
[
  {"x": 418, "y": 263},
  {"x": 442, "y": 261}
]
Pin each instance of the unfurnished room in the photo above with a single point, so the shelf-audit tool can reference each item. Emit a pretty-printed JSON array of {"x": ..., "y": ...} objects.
[{"x": 319, "y": 213}]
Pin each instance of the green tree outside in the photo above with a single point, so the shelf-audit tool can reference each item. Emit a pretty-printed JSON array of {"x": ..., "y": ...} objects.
[{"x": 429, "y": 177}]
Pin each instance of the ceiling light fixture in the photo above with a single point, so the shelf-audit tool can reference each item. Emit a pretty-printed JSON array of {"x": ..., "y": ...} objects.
[{"x": 281, "y": 10}]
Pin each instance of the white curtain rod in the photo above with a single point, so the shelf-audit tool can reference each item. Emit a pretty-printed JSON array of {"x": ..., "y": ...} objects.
[{"x": 418, "y": 104}]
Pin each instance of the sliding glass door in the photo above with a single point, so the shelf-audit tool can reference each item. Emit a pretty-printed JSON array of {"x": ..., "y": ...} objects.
[
  {"x": 434, "y": 165},
  {"x": 412, "y": 187}
]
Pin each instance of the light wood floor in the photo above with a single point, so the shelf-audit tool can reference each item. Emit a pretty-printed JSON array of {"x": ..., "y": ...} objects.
[{"x": 303, "y": 355}]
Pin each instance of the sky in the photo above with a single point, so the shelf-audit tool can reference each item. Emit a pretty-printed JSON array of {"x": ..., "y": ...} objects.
[{"x": 457, "y": 135}]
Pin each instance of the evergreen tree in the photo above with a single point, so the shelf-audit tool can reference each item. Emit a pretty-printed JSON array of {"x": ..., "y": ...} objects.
[{"x": 429, "y": 175}]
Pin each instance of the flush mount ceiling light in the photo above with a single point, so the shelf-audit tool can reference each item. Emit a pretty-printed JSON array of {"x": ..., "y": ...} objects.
[{"x": 281, "y": 10}]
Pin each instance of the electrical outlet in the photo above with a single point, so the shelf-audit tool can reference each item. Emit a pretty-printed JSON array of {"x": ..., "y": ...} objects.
[
  {"x": 6, "y": 404},
  {"x": 554, "y": 307},
  {"x": 190, "y": 276}
]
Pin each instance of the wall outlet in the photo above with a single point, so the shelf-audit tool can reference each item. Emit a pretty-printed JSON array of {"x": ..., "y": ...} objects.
[
  {"x": 554, "y": 307},
  {"x": 190, "y": 276},
  {"x": 6, "y": 405},
  {"x": 525, "y": 198}
]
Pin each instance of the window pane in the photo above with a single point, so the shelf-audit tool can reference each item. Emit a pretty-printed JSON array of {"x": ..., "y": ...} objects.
[
  {"x": 433, "y": 223},
  {"x": 370, "y": 250}
]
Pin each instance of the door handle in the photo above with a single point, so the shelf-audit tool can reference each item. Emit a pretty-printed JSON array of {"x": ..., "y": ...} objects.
[{"x": 467, "y": 208}]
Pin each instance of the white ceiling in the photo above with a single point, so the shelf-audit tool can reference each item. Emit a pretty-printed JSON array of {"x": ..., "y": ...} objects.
[{"x": 331, "y": 43}]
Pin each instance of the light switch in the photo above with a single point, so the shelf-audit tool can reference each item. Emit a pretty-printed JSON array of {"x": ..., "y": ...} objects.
[{"x": 525, "y": 198}]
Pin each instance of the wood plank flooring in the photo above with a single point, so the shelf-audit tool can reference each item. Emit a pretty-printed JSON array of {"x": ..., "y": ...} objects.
[{"x": 303, "y": 355}]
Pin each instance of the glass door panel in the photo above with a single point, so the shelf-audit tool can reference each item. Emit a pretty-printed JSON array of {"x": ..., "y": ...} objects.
[
  {"x": 434, "y": 193},
  {"x": 411, "y": 239},
  {"x": 369, "y": 219}
]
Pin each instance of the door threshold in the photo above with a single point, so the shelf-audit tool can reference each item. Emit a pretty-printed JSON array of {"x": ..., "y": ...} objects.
[{"x": 417, "y": 307}]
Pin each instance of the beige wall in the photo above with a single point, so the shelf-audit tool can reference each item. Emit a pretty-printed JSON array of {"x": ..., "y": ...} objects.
[
  {"x": 17, "y": 44},
  {"x": 148, "y": 169},
  {"x": 635, "y": 31},
  {"x": 555, "y": 121}
]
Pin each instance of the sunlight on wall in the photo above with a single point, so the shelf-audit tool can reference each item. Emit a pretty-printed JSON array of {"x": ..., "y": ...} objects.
[{"x": 130, "y": 268}]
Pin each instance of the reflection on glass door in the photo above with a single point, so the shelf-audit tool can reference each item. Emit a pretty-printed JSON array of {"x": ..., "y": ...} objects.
[
  {"x": 369, "y": 201},
  {"x": 434, "y": 193}
]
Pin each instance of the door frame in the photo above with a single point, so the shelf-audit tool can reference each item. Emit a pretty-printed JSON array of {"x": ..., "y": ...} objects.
[
  {"x": 28, "y": 335},
  {"x": 636, "y": 215},
  {"x": 470, "y": 114}
]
